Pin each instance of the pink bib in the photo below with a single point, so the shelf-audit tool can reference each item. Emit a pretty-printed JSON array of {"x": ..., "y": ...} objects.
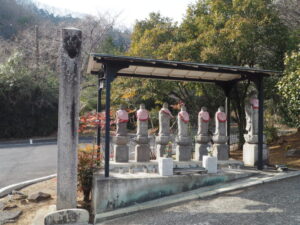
[
  {"x": 184, "y": 116},
  {"x": 221, "y": 116},
  {"x": 254, "y": 103},
  {"x": 167, "y": 111},
  {"x": 142, "y": 115},
  {"x": 122, "y": 116},
  {"x": 204, "y": 116}
]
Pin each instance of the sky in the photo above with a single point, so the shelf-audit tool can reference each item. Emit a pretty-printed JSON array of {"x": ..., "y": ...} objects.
[{"x": 128, "y": 10}]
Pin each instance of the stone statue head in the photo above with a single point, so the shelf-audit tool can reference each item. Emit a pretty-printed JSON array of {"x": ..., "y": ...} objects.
[
  {"x": 183, "y": 108},
  {"x": 142, "y": 106},
  {"x": 252, "y": 94},
  {"x": 165, "y": 105},
  {"x": 122, "y": 107},
  {"x": 203, "y": 108},
  {"x": 221, "y": 109}
]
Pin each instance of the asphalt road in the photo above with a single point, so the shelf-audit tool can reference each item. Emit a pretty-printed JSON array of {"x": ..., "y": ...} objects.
[
  {"x": 23, "y": 163},
  {"x": 268, "y": 204}
]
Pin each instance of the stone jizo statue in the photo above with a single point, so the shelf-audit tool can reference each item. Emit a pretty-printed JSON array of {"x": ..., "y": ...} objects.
[
  {"x": 220, "y": 119},
  {"x": 184, "y": 142},
  {"x": 202, "y": 138},
  {"x": 142, "y": 121},
  {"x": 121, "y": 150},
  {"x": 164, "y": 120},
  {"x": 163, "y": 137},
  {"x": 251, "y": 110},
  {"x": 220, "y": 147},
  {"x": 203, "y": 121},
  {"x": 142, "y": 149},
  {"x": 121, "y": 120},
  {"x": 183, "y": 120}
]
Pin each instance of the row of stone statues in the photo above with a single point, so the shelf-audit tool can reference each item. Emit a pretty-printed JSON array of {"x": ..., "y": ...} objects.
[{"x": 183, "y": 140}]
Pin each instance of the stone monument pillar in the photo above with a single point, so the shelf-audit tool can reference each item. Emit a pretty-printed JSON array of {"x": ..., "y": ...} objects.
[
  {"x": 163, "y": 137},
  {"x": 250, "y": 148},
  {"x": 184, "y": 142},
  {"x": 220, "y": 147},
  {"x": 202, "y": 138},
  {"x": 68, "y": 116},
  {"x": 142, "y": 149},
  {"x": 121, "y": 150}
]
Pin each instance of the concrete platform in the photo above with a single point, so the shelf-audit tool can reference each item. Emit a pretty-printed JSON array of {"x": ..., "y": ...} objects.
[
  {"x": 124, "y": 190},
  {"x": 152, "y": 166}
]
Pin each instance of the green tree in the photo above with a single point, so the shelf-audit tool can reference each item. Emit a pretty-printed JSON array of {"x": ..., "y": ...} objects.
[
  {"x": 232, "y": 32},
  {"x": 289, "y": 88},
  {"x": 28, "y": 104}
]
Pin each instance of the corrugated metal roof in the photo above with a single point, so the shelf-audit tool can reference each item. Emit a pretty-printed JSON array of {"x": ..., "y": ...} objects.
[{"x": 174, "y": 70}]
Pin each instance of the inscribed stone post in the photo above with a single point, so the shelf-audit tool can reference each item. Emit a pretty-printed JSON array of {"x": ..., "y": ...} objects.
[{"x": 69, "y": 86}]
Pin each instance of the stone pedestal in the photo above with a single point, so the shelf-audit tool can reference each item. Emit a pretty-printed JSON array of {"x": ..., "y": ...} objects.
[
  {"x": 165, "y": 166},
  {"x": 220, "y": 151},
  {"x": 142, "y": 149},
  {"x": 250, "y": 154},
  {"x": 201, "y": 147},
  {"x": 183, "y": 149},
  {"x": 161, "y": 145},
  {"x": 121, "y": 150}
]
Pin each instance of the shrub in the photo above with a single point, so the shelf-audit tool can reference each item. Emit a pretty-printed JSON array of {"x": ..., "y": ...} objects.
[{"x": 29, "y": 104}]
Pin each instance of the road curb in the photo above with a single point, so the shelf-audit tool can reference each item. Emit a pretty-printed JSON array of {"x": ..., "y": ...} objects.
[
  {"x": 8, "y": 189},
  {"x": 193, "y": 195}
]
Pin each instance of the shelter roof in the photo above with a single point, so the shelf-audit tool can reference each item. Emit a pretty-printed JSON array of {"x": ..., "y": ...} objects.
[{"x": 173, "y": 70}]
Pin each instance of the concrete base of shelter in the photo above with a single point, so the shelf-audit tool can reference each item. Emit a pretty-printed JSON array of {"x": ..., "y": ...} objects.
[
  {"x": 250, "y": 154},
  {"x": 123, "y": 190},
  {"x": 152, "y": 165}
]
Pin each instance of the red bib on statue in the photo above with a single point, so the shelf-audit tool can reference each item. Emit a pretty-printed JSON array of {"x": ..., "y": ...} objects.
[
  {"x": 254, "y": 103},
  {"x": 184, "y": 116},
  {"x": 142, "y": 115},
  {"x": 167, "y": 111},
  {"x": 221, "y": 116},
  {"x": 204, "y": 116}
]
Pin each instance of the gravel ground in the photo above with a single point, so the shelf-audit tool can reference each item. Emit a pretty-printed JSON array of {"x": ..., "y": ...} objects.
[{"x": 268, "y": 204}]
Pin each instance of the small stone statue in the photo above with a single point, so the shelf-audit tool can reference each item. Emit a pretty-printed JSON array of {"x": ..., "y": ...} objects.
[
  {"x": 184, "y": 142},
  {"x": 121, "y": 121},
  {"x": 163, "y": 137},
  {"x": 220, "y": 147},
  {"x": 220, "y": 120},
  {"x": 203, "y": 122},
  {"x": 251, "y": 110},
  {"x": 183, "y": 121},
  {"x": 142, "y": 149},
  {"x": 121, "y": 151},
  {"x": 202, "y": 138},
  {"x": 164, "y": 120}
]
